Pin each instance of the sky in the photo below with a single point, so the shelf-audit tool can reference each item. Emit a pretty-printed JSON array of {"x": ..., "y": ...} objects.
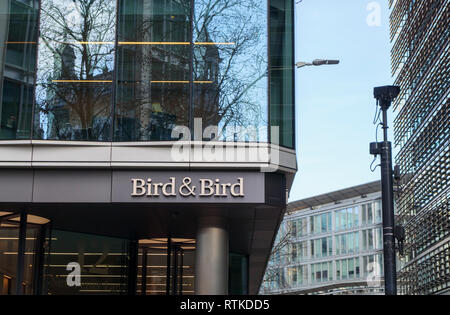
[{"x": 334, "y": 104}]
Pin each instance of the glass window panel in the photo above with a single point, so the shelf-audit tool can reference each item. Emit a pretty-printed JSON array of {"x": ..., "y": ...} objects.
[
  {"x": 364, "y": 214},
  {"x": 357, "y": 271},
  {"x": 338, "y": 270},
  {"x": 336, "y": 241},
  {"x": 369, "y": 214},
  {"x": 378, "y": 213},
  {"x": 324, "y": 247},
  {"x": 153, "y": 69},
  {"x": 75, "y": 70},
  {"x": 329, "y": 220},
  {"x": 344, "y": 269},
  {"x": 324, "y": 272},
  {"x": 356, "y": 241},
  {"x": 330, "y": 246},
  {"x": 282, "y": 59},
  {"x": 103, "y": 262},
  {"x": 230, "y": 90},
  {"x": 317, "y": 225},
  {"x": 323, "y": 219},
  {"x": 18, "y": 39},
  {"x": 351, "y": 268},
  {"x": 350, "y": 243},
  {"x": 370, "y": 239}
]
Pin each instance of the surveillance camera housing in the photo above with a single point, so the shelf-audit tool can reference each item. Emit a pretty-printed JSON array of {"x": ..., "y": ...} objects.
[{"x": 386, "y": 93}]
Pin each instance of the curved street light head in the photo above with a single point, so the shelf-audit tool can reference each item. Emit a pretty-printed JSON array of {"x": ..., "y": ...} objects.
[
  {"x": 320, "y": 62},
  {"x": 317, "y": 62}
]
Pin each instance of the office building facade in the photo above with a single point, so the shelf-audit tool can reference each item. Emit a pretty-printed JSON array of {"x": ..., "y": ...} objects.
[
  {"x": 146, "y": 146},
  {"x": 330, "y": 244},
  {"x": 420, "y": 65}
]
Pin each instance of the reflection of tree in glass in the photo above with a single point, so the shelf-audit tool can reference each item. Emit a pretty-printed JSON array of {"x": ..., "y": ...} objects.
[
  {"x": 153, "y": 68},
  {"x": 76, "y": 58},
  {"x": 234, "y": 59}
]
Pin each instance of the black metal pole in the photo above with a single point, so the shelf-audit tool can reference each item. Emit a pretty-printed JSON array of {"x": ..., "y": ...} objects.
[
  {"x": 169, "y": 250},
  {"x": 21, "y": 252},
  {"x": 175, "y": 271},
  {"x": 132, "y": 267},
  {"x": 144, "y": 272},
  {"x": 390, "y": 276}
]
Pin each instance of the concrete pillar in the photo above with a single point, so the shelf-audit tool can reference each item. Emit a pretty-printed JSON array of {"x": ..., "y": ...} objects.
[{"x": 211, "y": 256}]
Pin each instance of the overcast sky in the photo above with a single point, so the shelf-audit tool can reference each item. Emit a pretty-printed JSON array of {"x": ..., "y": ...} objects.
[{"x": 335, "y": 105}]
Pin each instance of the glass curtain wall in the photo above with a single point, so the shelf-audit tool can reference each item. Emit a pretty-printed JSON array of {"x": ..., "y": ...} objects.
[
  {"x": 230, "y": 68},
  {"x": 9, "y": 253},
  {"x": 153, "y": 69},
  {"x": 18, "y": 37},
  {"x": 133, "y": 70},
  {"x": 75, "y": 70}
]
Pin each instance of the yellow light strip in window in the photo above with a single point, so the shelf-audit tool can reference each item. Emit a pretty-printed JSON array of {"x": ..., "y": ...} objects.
[
  {"x": 109, "y": 81},
  {"x": 10, "y": 43},
  {"x": 88, "y": 43},
  {"x": 184, "y": 82},
  {"x": 82, "y": 81},
  {"x": 175, "y": 43},
  {"x": 213, "y": 43},
  {"x": 154, "y": 43}
]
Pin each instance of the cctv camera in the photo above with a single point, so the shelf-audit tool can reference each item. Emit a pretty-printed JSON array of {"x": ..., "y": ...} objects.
[{"x": 386, "y": 93}]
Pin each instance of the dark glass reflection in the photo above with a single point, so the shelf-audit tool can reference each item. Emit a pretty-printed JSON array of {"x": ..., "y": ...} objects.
[
  {"x": 153, "y": 69},
  {"x": 169, "y": 64},
  {"x": 75, "y": 70},
  {"x": 282, "y": 71},
  {"x": 154, "y": 267},
  {"x": 103, "y": 264},
  {"x": 230, "y": 67},
  {"x": 18, "y": 33}
]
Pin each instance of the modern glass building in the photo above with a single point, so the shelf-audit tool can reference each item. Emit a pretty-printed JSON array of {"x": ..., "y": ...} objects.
[
  {"x": 420, "y": 64},
  {"x": 330, "y": 244},
  {"x": 146, "y": 146}
]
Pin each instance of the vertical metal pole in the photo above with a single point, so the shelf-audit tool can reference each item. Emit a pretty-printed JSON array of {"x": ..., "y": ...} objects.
[
  {"x": 21, "y": 252},
  {"x": 132, "y": 267},
  {"x": 181, "y": 271},
  {"x": 390, "y": 276},
  {"x": 38, "y": 268},
  {"x": 175, "y": 271},
  {"x": 144, "y": 272},
  {"x": 169, "y": 250}
]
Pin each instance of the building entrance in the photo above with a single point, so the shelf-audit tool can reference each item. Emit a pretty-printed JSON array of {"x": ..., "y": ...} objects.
[
  {"x": 166, "y": 266},
  {"x": 23, "y": 238}
]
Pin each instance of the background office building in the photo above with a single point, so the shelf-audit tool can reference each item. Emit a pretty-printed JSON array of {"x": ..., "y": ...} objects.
[
  {"x": 421, "y": 66},
  {"x": 145, "y": 145},
  {"x": 330, "y": 244}
]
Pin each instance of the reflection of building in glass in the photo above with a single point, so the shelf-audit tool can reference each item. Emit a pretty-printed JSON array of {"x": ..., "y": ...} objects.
[
  {"x": 17, "y": 59},
  {"x": 421, "y": 65},
  {"x": 329, "y": 244}
]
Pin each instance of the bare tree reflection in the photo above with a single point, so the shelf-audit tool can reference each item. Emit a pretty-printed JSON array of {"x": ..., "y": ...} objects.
[
  {"x": 229, "y": 66},
  {"x": 154, "y": 73},
  {"x": 76, "y": 57},
  {"x": 234, "y": 59}
]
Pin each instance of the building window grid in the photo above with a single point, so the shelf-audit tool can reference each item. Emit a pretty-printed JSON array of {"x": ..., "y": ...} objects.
[{"x": 301, "y": 252}]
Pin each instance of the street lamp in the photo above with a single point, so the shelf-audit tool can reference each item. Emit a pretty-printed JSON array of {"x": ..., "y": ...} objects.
[
  {"x": 317, "y": 62},
  {"x": 385, "y": 95}
]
